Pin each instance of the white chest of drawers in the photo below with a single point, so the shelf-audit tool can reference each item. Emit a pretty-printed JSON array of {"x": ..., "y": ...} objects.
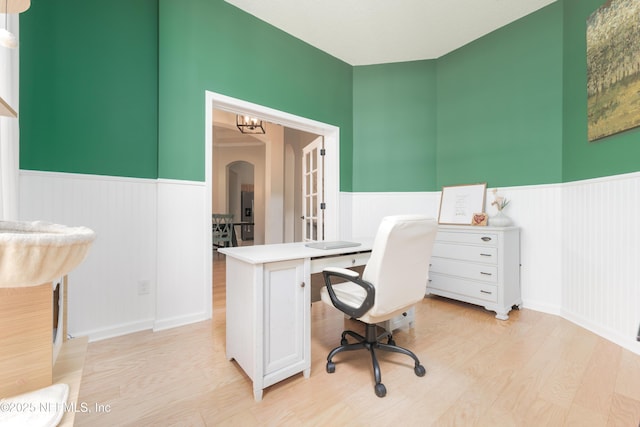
[{"x": 478, "y": 265}]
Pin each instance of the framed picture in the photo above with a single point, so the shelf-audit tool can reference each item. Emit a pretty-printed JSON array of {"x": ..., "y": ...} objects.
[
  {"x": 613, "y": 75},
  {"x": 459, "y": 203}
]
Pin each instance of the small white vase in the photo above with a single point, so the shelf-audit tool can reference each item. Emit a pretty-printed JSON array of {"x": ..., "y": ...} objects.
[{"x": 500, "y": 220}]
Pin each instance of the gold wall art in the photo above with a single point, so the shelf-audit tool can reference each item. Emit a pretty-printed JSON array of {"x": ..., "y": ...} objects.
[{"x": 613, "y": 68}]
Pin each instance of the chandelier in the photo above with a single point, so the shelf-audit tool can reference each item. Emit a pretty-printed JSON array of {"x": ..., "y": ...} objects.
[{"x": 247, "y": 124}]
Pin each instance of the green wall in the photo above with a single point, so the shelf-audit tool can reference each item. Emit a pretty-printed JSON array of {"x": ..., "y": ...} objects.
[
  {"x": 394, "y": 127},
  {"x": 93, "y": 72},
  {"x": 88, "y": 87},
  {"x": 211, "y": 45},
  {"x": 500, "y": 106},
  {"x": 118, "y": 88},
  {"x": 582, "y": 159},
  {"x": 510, "y": 110},
  {"x": 490, "y": 111}
]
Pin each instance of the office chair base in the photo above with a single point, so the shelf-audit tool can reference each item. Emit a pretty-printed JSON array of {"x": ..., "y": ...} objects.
[{"x": 372, "y": 342}]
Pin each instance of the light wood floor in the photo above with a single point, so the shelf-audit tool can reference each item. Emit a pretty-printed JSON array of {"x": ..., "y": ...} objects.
[{"x": 532, "y": 370}]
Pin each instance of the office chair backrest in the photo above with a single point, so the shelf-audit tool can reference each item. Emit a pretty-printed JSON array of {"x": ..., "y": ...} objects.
[{"x": 399, "y": 263}]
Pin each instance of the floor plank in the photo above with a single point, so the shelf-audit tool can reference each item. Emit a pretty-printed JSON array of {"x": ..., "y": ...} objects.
[{"x": 532, "y": 370}]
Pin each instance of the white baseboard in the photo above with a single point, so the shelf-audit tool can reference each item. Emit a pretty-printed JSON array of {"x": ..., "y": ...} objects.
[
  {"x": 627, "y": 342},
  {"x": 542, "y": 307},
  {"x": 115, "y": 331},
  {"x": 180, "y": 321}
]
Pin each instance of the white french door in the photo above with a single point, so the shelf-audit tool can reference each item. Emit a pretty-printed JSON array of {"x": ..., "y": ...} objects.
[{"x": 313, "y": 191}]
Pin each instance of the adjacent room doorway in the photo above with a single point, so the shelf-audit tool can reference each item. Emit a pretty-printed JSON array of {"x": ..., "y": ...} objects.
[
  {"x": 331, "y": 172},
  {"x": 329, "y": 135}
]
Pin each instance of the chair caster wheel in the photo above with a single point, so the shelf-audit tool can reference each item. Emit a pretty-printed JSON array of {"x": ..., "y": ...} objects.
[
  {"x": 381, "y": 390},
  {"x": 344, "y": 341},
  {"x": 331, "y": 367},
  {"x": 419, "y": 370}
]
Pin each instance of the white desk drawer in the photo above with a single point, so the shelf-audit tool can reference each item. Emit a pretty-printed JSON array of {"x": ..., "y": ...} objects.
[
  {"x": 457, "y": 286},
  {"x": 488, "y": 255},
  {"x": 484, "y": 239},
  {"x": 342, "y": 261},
  {"x": 483, "y": 272}
]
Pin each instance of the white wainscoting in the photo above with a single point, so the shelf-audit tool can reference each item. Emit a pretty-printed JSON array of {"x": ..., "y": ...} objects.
[
  {"x": 531, "y": 208},
  {"x": 103, "y": 291},
  {"x": 537, "y": 211},
  {"x": 601, "y": 256},
  {"x": 148, "y": 231},
  {"x": 184, "y": 254},
  {"x": 580, "y": 246},
  {"x": 368, "y": 209}
]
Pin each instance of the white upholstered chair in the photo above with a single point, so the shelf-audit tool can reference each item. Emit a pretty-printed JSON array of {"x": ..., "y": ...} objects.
[{"x": 394, "y": 279}]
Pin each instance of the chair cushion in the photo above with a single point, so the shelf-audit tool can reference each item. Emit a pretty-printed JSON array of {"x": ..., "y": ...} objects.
[
  {"x": 353, "y": 295},
  {"x": 348, "y": 292}
]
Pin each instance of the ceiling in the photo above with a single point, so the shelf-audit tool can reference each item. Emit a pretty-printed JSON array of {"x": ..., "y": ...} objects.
[{"x": 364, "y": 32}]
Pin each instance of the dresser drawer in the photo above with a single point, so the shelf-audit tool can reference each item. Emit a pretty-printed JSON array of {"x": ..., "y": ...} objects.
[
  {"x": 487, "y": 255},
  {"x": 478, "y": 265},
  {"x": 483, "y": 272},
  {"x": 457, "y": 286},
  {"x": 483, "y": 239},
  {"x": 343, "y": 261}
]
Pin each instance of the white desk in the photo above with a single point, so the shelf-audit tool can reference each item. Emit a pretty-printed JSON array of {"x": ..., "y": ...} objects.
[{"x": 269, "y": 306}]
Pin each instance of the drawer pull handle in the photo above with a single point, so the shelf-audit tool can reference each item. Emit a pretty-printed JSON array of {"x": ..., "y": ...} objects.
[
  {"x": 486, "y": 239},
  {"x": 485, "y": 254},
  {"x": 302, "y": 285},
  {"x": 353, "y": 261},
  {"x": 485, "y": 292},
  {"x": 486, "y": 274}
]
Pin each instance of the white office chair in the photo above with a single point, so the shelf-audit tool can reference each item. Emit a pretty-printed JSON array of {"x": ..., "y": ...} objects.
[{"x": 394, "y": 279}]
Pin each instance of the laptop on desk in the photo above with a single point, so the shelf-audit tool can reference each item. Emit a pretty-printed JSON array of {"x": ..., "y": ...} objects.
[{"x": 331, "y": 245}]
